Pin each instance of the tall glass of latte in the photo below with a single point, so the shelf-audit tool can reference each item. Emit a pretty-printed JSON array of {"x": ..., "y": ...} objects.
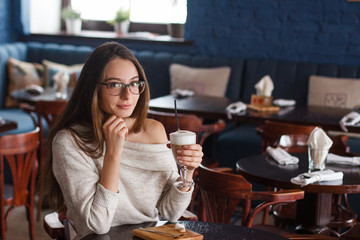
[{"x": 177, "y": 140}]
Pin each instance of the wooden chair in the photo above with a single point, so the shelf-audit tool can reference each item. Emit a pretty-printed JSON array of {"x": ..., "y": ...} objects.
[
  {"x": 293, "y": 138},
  {"x": 20, "y": 151},
  {"x": 48, "y": 111},
  {"x": 222, "y": 192}
]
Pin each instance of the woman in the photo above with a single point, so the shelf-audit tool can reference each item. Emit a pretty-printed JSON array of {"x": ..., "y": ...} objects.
[{"x": 107, "y": 164}]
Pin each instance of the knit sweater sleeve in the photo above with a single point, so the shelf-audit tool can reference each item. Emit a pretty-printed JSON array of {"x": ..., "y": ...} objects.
[
  {"x": 173, "y": 202},
  {"x": 78, "y": 176}
]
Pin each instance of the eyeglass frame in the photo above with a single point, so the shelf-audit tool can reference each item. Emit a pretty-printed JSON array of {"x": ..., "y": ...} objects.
[{"x": 125, "y": 85}]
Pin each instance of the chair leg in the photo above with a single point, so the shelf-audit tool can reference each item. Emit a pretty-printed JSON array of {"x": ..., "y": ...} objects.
[
  {"x": 41, "y": 189},
  {"x": 2, "y": 223},
  {"x": 31, "y": 219}
]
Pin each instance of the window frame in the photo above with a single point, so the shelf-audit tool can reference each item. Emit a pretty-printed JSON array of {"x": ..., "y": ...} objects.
[{"x": 92, "y": 25}]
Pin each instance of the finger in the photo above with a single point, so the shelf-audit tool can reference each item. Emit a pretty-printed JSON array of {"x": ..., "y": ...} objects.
[
  {"x": 197, "y": 147},
  {"x": 190, "y": 161},
  {"x": 109, "y": 120},
  {"x": 194, "y": 153}
]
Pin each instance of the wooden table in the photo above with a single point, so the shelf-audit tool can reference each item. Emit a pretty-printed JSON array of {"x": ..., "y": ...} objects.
[
  {"x": 22, "y": 96},
  {"x": 210, "y": 231},
  {"x": 215, "y": 108},
  {"x": 7, "y": 125},
  {"x": 314, "y": 211}
]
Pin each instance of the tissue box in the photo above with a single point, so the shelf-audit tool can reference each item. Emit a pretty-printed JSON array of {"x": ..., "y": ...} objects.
[{"x": 261, "y": 101}]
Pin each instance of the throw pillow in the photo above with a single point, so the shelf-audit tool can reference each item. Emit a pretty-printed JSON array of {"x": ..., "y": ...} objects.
[
  {"x": 51, "y": 68},
  {"x": 21, "y": 75},
  {"x": 203, "y": 81},
  {"x": 333, "y": 92}
]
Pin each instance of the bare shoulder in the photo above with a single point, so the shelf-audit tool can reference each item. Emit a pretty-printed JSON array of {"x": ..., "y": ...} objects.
[{"x": 155, "y": 131}]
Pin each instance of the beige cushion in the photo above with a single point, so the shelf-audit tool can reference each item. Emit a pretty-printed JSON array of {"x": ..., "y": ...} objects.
[
  {"x": 203, "y": 81},
  {"x": 333, "y": 92},
  {"x": 22, "y": 74},
  {"x": 51, "y": 68}
]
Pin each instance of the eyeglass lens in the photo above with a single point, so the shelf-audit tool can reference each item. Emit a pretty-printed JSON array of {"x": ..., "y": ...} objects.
[{"x": 119, "y": 88}]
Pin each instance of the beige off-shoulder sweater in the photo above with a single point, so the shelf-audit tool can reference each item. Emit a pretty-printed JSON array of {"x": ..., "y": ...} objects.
[{"x": 146, "y": 192}]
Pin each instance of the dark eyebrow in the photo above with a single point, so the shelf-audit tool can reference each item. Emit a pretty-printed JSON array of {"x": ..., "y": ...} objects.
[{"x": 120, "y": 80}]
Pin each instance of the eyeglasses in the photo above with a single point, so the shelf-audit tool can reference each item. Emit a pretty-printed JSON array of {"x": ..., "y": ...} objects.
[{"x": 118, "y": 88}]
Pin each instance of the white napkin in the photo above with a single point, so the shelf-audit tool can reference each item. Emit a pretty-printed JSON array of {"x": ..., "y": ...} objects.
[
  {"x": 234, "y": 108},
  {"x": 319, "y": 176},
  {"x": 284, "y": 102},
  {"x": 319, "y": 140},
  {"x": 350, "y": 119},
  {"x": 2, "y": 120},
  {"x": 182, "y": 93},
  {"x": 281, "y": 156},
  {"x": 265, "y": 86},
  {"x": 333, "y": 158}
]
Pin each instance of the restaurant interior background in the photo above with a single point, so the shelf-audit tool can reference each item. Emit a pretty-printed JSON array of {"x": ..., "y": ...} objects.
[
  {"x": 317, "y": 31},
  {"x": 321, "y": 31}
]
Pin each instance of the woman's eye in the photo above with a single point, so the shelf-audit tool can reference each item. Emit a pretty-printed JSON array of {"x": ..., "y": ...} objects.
[
  {"x": 115, "y": 85},
  {"x": 135, "y": 84}
]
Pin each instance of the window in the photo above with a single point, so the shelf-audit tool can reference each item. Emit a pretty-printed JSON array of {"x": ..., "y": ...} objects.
[
  {"x": 145, "y": 15},
  {"x": 154, "y": 11}
]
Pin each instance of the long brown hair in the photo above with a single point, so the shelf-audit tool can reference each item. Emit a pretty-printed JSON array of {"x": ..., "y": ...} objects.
[{"x": 84, "y": 108}]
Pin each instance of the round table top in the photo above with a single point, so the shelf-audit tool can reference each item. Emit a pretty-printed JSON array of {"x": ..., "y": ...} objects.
[
  {"x": 210, "y": 231},
  {"x": 49, "y": 94},
  {"x": 264, "y": 170}
]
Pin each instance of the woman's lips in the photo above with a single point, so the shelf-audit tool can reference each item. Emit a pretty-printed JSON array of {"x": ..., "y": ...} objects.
[{"x": 128, "y": 106}]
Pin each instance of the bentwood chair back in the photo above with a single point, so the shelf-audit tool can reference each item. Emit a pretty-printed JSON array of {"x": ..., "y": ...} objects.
[
  {"x": 20, "y": 152},
  {"x": 222, "y": 192},
  {"x": 47, "y": 111},
  {"x": 293, "y": 137}
]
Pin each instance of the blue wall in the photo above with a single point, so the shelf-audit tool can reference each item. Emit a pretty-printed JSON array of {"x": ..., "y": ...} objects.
[
  {"x": 302, "y": 30},
  {"x": 326, "y": 31},
  {"x": 13, "y": 19}
]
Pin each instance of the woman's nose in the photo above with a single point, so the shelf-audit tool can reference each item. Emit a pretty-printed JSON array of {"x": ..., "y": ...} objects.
[{"x": 126, "y": 92}]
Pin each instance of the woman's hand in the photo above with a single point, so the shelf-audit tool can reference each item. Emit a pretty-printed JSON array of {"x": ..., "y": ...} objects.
[
  {"x": 190, "y": 156},
  {"x": 115, "y": 132}
]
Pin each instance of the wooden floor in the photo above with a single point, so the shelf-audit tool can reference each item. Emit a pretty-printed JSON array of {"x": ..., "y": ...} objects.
[{"x": 18, "y": 226}]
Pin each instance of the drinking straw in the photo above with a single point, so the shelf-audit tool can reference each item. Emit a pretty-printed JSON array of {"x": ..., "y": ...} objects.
[{"x": 176, "y": 116}]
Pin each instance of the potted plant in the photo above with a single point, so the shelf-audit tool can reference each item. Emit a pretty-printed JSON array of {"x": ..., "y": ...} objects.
[
  {"x": 176, "y": 26},
  {"x": 72, "y": 20},
  {"x": 121, "y": 21}
]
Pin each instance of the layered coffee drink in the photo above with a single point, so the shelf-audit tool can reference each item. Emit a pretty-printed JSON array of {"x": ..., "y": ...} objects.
[{"x": 180, "y": 138}]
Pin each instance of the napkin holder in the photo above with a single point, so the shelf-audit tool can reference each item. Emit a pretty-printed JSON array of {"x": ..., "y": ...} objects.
[{"x": 262, "y": 103}]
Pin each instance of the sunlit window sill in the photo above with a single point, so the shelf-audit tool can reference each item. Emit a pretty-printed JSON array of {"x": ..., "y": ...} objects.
[{"x": 144, "y": 37}]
